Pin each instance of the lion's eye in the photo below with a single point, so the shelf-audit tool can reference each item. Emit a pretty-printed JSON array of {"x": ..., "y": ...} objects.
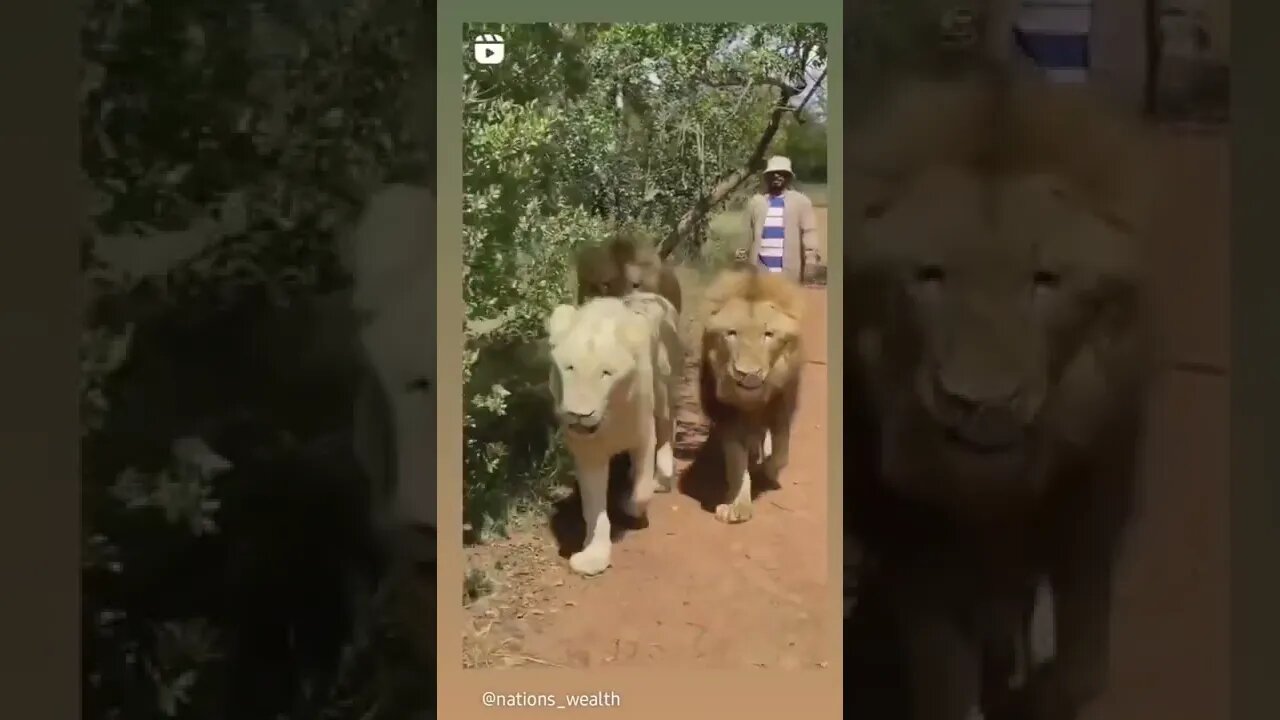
[
  {"x": 635, "y": 286},
  {"x": 731, "y": 333},
  {"x": 930, "y": 274},
  {"x": 1046, "y": 279},
  {"x": 607, "y": 373},
  {"x": 568, "y": 368},
  {"x": 768, "y": 334}
]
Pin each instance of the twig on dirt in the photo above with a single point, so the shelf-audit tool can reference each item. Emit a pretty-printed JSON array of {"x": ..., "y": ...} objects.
[
  {"x": 530, "y": 658},
  {"x": 702, "y": 632},
  {"x": 617, "y": 650}
]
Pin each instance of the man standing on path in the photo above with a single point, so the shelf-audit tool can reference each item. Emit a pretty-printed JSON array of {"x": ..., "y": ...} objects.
[{"x": 782, "y": 229}]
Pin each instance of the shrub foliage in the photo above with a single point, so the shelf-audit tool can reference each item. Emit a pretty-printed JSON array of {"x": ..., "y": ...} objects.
[{"x": 225, "y": 147}]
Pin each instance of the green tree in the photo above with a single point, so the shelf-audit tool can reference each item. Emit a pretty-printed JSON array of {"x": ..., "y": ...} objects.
[{"x": 806, "y": 144}]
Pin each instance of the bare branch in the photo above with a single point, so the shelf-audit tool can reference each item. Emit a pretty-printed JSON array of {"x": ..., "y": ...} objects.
[
  {"x": 808, "y": 96},
  {"x": 735, "y": 80},
  {"x": 804, "y": 52}
]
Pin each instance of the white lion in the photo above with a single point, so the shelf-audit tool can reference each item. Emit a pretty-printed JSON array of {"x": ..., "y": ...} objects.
[
  {"x": 615, "y": 368},
  {"x": 392, "y": 255}
]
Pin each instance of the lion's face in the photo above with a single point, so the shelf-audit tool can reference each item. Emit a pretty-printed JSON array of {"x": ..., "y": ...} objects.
[
  {"x": 752, "y": 345},
  {"x": 994, "y": 293},
  {"x": 600, "y": 274},
  {"x": 595, "y": 353},
  {"x": 641, "y": 277}
]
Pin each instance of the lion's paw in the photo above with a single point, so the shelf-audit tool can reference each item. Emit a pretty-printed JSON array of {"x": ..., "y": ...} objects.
[
  {"x": 635, "y": 508},
  {"x": 771, "y": 468},
  {"x": 665, "y": 467},
  {"x": 590, "y": 561},
  {"x": 734, "y": 513}
]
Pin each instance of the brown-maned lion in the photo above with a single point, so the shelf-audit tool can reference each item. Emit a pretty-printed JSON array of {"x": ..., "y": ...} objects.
[
  {"x": 623, "y": 265},
  {"x": 999, "y": 365},
  {"x": 750, "y": 376}
]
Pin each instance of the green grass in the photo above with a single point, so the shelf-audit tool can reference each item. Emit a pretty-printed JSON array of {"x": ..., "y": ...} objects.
[
  {"x": 725, "y": 230},
  {"x": 817, "y": 192}
]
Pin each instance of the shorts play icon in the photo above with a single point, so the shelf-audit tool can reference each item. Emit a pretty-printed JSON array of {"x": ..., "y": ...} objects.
[{"x": 489, "y": 49}]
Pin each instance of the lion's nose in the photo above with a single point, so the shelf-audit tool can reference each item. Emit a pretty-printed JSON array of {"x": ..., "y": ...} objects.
[
  {"x": 965, "y": 404},
  {"x": 750, "y": 380},
  {"x": 967, "y": 398},
  {"x": 587, "y": 419},
  {"x": 987, "y": 417}
]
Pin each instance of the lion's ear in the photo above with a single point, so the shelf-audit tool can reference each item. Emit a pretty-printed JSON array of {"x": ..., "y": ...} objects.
[{"x": 559, "y": 322}]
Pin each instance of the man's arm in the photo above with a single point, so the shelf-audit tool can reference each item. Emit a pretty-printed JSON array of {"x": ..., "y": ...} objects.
[{"x": 809, "y": 232}]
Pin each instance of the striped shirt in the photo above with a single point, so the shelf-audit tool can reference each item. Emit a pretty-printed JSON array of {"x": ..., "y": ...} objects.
[
  {"x": 1054, "y": 34},
  {"x": 773, "y": 235}
]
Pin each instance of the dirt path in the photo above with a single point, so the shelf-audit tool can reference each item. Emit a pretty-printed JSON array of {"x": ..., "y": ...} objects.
[
  {"x": 686, "y": 590},
  {"x": 1171, "y": 657}
]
